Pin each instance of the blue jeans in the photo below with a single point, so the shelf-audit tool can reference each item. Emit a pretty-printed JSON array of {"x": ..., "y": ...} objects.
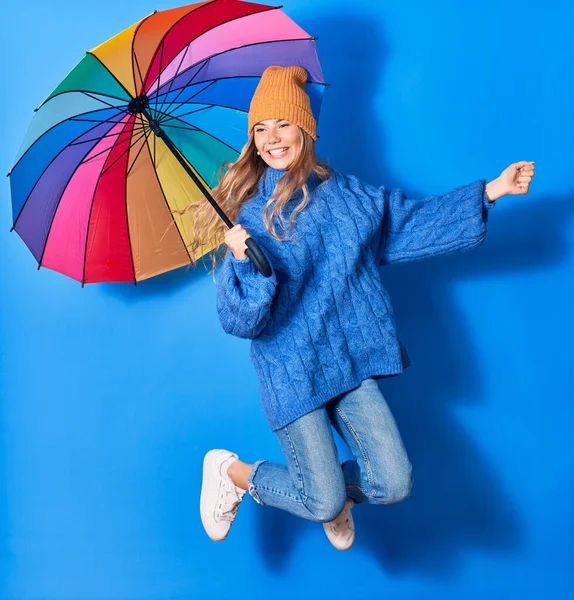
[{"x": 313, "y": 484}]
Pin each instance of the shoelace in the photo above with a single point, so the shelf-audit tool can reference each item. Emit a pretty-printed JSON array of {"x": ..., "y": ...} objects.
[{"x": 229, "y": 502}]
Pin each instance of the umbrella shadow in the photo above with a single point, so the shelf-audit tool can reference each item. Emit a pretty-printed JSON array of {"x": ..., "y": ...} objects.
[
  {"x": 458, "y": 500},
  {"x": 166, "y": 284}
]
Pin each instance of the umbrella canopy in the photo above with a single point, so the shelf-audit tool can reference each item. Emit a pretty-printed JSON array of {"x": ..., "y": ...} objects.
[{"x": 94, "y": 187}]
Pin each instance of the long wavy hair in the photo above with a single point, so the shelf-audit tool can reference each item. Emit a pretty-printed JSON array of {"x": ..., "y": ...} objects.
[{"x": 237, "y": 183}]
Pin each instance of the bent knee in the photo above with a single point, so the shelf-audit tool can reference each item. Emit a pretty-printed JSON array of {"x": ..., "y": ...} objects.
[
  {"x": 326, "y": 508},
  {"x": 393, "y": 492}
]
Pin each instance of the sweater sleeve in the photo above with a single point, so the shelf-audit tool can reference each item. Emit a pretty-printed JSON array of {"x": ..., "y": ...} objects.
[
  {"x": 244, "y": 297},
  {"x": 411, "y": 229}
]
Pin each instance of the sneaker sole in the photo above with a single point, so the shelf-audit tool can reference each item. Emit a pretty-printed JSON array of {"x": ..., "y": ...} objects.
[
  {"x": 210, "y": 491},
  {"x": 337, "y": 547}
]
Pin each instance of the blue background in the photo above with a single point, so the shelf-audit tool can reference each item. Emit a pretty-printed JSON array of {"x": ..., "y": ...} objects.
[{"x": 112, "y": 394}]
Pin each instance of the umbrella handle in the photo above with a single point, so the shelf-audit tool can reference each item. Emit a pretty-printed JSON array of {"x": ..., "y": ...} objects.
[{"x": 257, "y": 257}]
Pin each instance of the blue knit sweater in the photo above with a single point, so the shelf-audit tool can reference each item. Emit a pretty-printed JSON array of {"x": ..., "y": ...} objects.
[{"x": 323, "y": 322}]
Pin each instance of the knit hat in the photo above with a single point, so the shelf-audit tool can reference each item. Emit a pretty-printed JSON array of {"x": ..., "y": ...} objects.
[{"x": 281, "y": 95}]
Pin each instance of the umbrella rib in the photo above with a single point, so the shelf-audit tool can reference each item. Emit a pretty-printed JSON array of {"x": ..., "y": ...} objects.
[
  {"x": 170, "y": 104},
  {"x": 147, "y": 133},
  {"x": 103, "y": 137},
  {"x": 88, "y": 234},
  {"x": 188, "y": 128},
  {"x": 145, "y": 125},
  {"x": 133, "y": 51},
  {"x": 126, "y": 173},
  {"x": 79, "y": 92},
  {"x": 171, "y": 110},
  {"x": 168, "y": 207},
  {"x": 191, "y": 112},
  {"x": 175, "y": 76},
  {"x": 216, "y": 79},
  {"x": 76, "y": 119},
  {"x": 322, "y": 83},
  {"x": 137, "y": 65},
  {"x": 103, "y": 152},
  {"x": 124, "y": 152},
  {"x": 138, "y": 154},
  {"x": 154, "y": 163},
  {"x": 104, "y": 102},
  {"x": 213, "y": 81},
  {"x": 160, "y": 61},
  {"x": 309, "y": 39},
  {"x": 211, "y": 105},
  {"x": 203, "y": 131},
  {"x": 189, "y": 162},
  {"x": 127, "y": 138},
  {"x": 54, "y": 217},
  {"x": 88, "y": 229}
]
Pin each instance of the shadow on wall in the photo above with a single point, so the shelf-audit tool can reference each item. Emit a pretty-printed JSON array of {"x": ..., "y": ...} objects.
[
  {"x": 457, "y": 499},
  {"x": 165, "y": 284}
]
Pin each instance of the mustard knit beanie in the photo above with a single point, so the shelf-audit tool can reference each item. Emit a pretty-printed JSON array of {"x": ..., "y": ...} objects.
[{"x": 281, "y": 95}]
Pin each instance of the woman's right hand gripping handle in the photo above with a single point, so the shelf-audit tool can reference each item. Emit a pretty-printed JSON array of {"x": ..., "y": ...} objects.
[
  {"x": 243, "y": 246},
  {"x": 244, "y": 298}
]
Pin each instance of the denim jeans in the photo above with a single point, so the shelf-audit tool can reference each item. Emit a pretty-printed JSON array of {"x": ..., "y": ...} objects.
[{"x": 313, "y": 484}]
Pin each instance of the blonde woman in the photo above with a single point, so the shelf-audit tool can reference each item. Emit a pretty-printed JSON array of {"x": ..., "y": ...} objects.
[{"x": 322, "y": 325}]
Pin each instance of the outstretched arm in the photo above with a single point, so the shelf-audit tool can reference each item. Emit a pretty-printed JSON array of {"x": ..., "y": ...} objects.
[{"x": 412, "y": 229}]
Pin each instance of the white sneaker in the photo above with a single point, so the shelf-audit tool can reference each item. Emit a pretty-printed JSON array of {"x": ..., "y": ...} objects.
[
  {"x": 220, "y": 497},
  {"x": 341, "y": 531}
]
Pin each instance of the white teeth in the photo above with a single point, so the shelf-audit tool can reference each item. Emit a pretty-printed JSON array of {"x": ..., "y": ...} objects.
[{"x": 278, "y": 152}]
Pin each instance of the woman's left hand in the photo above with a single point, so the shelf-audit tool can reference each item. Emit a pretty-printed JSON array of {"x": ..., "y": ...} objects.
[{"x": 515, "y": 179}]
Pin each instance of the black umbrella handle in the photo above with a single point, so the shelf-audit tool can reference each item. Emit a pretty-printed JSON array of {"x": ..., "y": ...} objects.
[
  {"x": 257, "y": 257},
  {"x": 253, "y": 251}
]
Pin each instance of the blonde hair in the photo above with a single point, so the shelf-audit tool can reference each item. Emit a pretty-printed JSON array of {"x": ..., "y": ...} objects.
[{"x": 239, "y": 183}]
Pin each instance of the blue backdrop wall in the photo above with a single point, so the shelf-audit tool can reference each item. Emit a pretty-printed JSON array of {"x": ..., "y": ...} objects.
[{"x": 111, "y": 394}]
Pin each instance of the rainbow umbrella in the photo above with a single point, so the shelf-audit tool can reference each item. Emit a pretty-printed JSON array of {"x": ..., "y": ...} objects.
[{"x": 138, "y": 130}]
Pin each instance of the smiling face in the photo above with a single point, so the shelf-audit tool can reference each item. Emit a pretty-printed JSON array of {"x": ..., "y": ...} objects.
[{"x": 278, "y": 141}]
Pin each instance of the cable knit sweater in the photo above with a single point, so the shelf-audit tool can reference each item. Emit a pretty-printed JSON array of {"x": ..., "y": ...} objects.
[{"x": 323, "y": 322}]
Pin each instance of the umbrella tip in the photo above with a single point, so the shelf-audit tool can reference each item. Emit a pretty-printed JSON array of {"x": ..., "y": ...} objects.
[
  {"x": 39, "y": 266},
  {"x": 12, "y": 229}
]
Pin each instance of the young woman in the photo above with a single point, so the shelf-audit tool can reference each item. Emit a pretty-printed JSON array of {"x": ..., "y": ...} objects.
[{"x": 322, "y": 326}]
